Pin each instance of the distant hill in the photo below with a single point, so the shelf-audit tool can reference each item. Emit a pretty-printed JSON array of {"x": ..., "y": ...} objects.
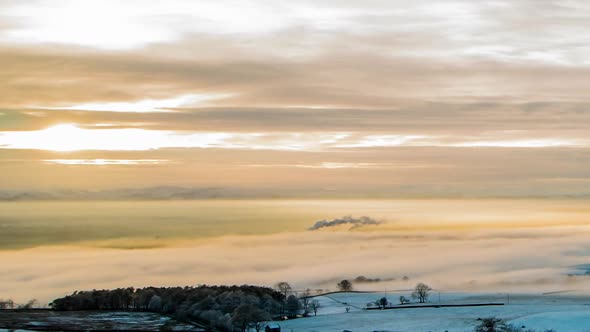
[{"x": 196, "y": 193}]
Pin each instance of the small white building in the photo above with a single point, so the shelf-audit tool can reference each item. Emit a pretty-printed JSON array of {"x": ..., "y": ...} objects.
[{"x": 272, "y": 327}]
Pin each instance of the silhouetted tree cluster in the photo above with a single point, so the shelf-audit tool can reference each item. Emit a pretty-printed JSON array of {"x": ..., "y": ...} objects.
[
  {"x": 344, "y": 285},
  {"x": 421, "y": 292},
  {"x": 363, "y": 279},
  {"x": 249, "y": 316},
  {"x": 222, "y": 308},
  {"x": 7, "y": 304},
  {"x": 493, "y": 324},
  {"x": 382, "y": 302},
  {"x": 29, "y": 305}
]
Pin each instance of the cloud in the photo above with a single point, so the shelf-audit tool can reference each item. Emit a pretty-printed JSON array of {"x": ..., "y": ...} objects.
[
  {"x": 302, "y": 56},
  {"x": 441, "y": 124},
  {"x": 102, "y": 162},
  {"x": 402, "y": 172},
  {"x": 465, "y": 74},
  {"x": 361, "y": 79},
  {"x": 348, "y": 220},
  {"x": 446, "y": 122}
]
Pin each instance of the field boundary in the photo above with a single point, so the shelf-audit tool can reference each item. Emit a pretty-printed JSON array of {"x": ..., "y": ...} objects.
[{"x": 438, "y": 306}]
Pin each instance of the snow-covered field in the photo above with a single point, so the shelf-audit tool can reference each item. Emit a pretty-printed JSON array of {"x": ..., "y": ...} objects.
[
  {"x": 46, "y": 320},
  {"x": 562, "y": 312}
]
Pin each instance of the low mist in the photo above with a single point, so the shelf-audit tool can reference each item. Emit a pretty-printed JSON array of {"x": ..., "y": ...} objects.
[{"x": 517, "y": 247}]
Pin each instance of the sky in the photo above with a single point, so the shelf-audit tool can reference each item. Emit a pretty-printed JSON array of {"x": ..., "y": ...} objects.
[
  {"x": 371, "y": 98},
  {"x": 474, "y": 103}
]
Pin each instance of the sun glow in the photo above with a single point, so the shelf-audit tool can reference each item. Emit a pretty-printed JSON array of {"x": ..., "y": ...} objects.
[
  {"x": 146, "y": 105},
  {"x": 69, "y": 137},
  {"x": 62, "y": 137}
]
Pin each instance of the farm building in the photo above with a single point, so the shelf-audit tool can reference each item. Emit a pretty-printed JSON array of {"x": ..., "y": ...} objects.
[{"x": 273, "y": 327}]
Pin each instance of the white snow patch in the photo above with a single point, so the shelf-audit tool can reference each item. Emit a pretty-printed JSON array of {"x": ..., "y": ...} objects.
[{"x": 564, "y": 313}]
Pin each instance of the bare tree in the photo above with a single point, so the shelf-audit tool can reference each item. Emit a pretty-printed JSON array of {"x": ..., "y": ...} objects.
[
  {"x": 345, "y": 285},
  {"x": 314, "y": 305},
  {"x": 403, "y": 300},
  {"x": 6, "y": 304},
  {"x": 305, "y": 297},
  {"x": 421, "y": 292},
  {"x": 28, "y": 305},
  {"x": 284, "y": 288}
]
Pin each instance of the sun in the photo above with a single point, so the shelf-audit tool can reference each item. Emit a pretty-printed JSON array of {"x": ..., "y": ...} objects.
[
  {"x": 61, "y": 137},
  {"x": 67, "y": 137}
]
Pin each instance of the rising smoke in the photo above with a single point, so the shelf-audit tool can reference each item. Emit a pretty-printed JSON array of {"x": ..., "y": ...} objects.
[{"x": 347, "y": 220}]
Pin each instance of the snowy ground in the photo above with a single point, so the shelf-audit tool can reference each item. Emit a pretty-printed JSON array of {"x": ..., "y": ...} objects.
[
  {"x": 87, "y": 320},
  {"x": 561, "y": 312}
]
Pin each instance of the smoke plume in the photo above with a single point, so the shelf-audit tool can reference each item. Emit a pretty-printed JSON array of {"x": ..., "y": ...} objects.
[{"x": 355, "y": 222}]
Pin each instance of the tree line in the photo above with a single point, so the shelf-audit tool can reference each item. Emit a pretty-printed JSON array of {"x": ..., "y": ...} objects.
[
  {"x": 219, "y": 308},
  {"x": 10, "y": 304}
]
